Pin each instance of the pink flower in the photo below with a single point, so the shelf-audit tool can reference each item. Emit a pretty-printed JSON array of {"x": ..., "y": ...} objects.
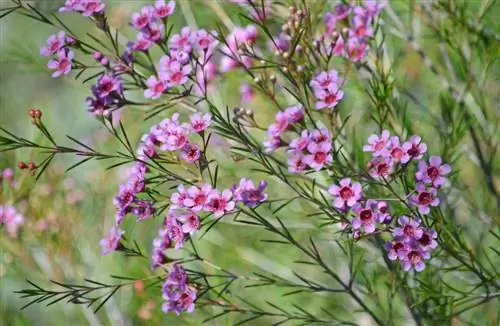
[
  {"x": 295, "y": 113},
  {"x": 190, "y": 222},
  {"x": 198, "y": 197},
  {"x": 177, "y": 199},
  {"x": 357, "y": 49},
  {"x": 424, "y": 198},
  {"x": 296, "y": 162},
  {"x": 156, "y": 87},
  {"x": 346, "y": 193},
  {"x": 319, "y": 155},
  {"x": 299, "y": 144},
  {"x": 328, "y": 97},
  {"x": 181, "y": 41},
  {"x": 143, "y": 43},
  {"x": 408, "y": 230},
  {"x": 11, "y": 218},
  {"x": 190, "y": 153},
  {"x": 321, "y": 135},
  {"x": 246, "y": 93},
  {"x": 163, "y": 10},
  {"x": 396, "y": 152},
  {"x": 380, "y": 167},
  {"x": 54, "y": 44},
  {"x": 246, "y": 192},
  {"x": 272, "y": 144},
  {"x": 154, "y": 32},
  {"x": 219, "y": 203},
  {"x": 177, "y": 74},
  {"x": 281, "y": 124},
  {"x": 396, "y": 248},
  {"x": 203, "y": 40},
  {"x": 90, "y": 7},
  {"x": 379, "y": 145},
  {"x": 324, "y": 80},
  {"x": 415, "y": 148},
  {"x": 338, "y": 47},
  {"x": 434, "y": 173},
  {"x": 360, "y": 28},
  {"x": 62, "y": 64},
  {"x": 426, "y": 241},
  {"x": 107, "y": 85},
  {"x": 112, "y": 242},
  {"x": 200, "y": 122},
  {"x": 141, "y": 20},
  {"x": 366, "y": 217},
  {"x": 413, "y": 257},
  {"x": 174, "y": 230}
]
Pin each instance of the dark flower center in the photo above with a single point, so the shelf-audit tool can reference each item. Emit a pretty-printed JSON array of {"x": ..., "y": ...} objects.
[
  {"x": 433, "y": 172},
  {"x": 414, "y": 257},
  {"x": 424, "y": 198},
  {"x": 346, "y": 193},
  {"x": 425, "y": 240},
  {"x": 366, "y": 215},
  {"x": 408, "y": 230},
  {"x": 320, "y": 157}
]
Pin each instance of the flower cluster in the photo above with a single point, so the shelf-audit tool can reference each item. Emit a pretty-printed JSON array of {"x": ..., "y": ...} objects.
[
  {"x": 285, "y": 121},
  {"x": 231, "y": 50},
  {"x": 149, "y": 22},
  {"x": 58, "y": 46},
  {"x": 108, "y": 95},
  {"x": 310, "y": 149},
  {"x": 411, "y": 244},
  {"x": 171, "y": 135},
  {"x": 85, "y": 7},
  {"x": 11, "y": 218},
  {"x": 350, "y": 42},
  {"x": 327, "y": 90},
  {"x": 186, "y": 205},
  {"x": 179, "y": 296}
]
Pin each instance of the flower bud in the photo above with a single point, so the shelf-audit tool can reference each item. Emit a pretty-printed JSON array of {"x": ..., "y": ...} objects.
[
  {"x": 22, "y": 165},
  {"x": 257, "y": 80},
  {"x": 32, "y": 166},
  {"x": 286, "y": 55},
  {"x": 272, "y": 78}
]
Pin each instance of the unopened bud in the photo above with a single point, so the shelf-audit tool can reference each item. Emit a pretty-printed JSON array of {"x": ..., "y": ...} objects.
[
  {"x": 272, "y": 78},
  {"x": 286, "y": 55},
  {"x": 257, "y": 80},
  {"x": 285, "y": 69},
  {"x": 262, "y": 62},
  {"x": 22, "y": 165},
  {"x": 277, "y": 53},
  {"x": 300, "y": 13},
  {"x": 249, "y": 112},
  {"x": 300, "y": 68},
  {"x": 32, "y": 166}
]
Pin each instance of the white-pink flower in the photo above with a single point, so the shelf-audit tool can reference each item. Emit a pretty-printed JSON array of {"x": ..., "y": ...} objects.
[
  {"x": 346, "y": 193},
  {"x": 219, "y": 203},
  {"x": 200, "y": 122},
  {"x": 156, "y": 87}
]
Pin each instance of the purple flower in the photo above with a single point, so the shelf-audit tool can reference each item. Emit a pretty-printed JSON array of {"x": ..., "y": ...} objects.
[
  {"x": 141, "y": 20},
  {"x": 337, "y": 48},
  {"x": 299, "y": 144},
  {"x": 177, "y": 74},
  {"x": 176, "y": 292},
  {"x": 295, "y": 113},
  {"x": 107, "y": 85},
  {"x": 163, "y": 10},
  {"x": 85, "y": 7},
  {"x": 381, "y": 167},
  {"x": 319, "y": 155},
  {"x": 182, "y": 40},
  {"x": 427, "y": 242},
  {"x": 366, "y": 216},
  {"x": 280, "y": 126},
  {"x": 200, "y": 122},
  {"x": 62, "y": 64},
  {"x": 54, "y": 44},
  {"x": 433, "y": 173},
  {"x": 296, "y": 162},
  {"x": 394, "y": 248},
  {"x": 142, "y": 209},
  {"x": 143, "y": 43},
  {"x": 246, "y": 192},
  {"x": 424, "y": 198},
  {"x": 173, "y": 230},
  {"x": 324, "y": 79},
  {"x": 346, "y": 193},
  {"x": 328, "y": 97},
  {"x": 272, "y": 144},
  {"x": 219, "y": 203},
  {"x": 177, "y": 199},
  {"x": 190, "y": 153},
  {"x": 379, "y": 145},
  {"x": 415, "y": 148},
  {"x": 413, "y": 257},
  {"x": 408, "y": 230},
  {"x": 190, "y": 222},
  {"x": 154, "y": 32},
  {"x": 112, "y": 242},
  {"x": 357, "y": 49},
  {"x": 197, "y": 197},
  {"x": 203, "y": 40},
  {"x": 156, "y": 87}
]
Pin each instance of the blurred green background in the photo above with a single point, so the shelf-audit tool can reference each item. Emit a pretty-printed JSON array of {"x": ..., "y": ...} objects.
[{"x": 76, "y": 208}]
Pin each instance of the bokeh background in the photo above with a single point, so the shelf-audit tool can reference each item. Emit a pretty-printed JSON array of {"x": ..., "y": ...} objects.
[{"x": 66, "y": 214}]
